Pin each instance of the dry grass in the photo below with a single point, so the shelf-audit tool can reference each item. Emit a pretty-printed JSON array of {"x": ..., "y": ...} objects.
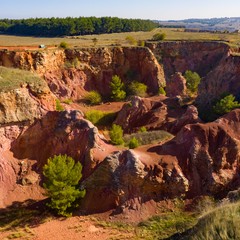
[
  {"x": 119, "y": 38},
  {"x": 13, "y": 78}
]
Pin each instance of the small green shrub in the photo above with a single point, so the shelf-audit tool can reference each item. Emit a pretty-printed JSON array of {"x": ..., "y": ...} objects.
[
  {"x": 161, "y": 91},
  {"x": 158, "y": 37},
  {"x": 137, "y": 89},
  {"x": 133, "y": 143},
  {"x": 117, "y": 86},
  {"x": 62, "y": 176},
  {"x": 131, "y": 40},
  {"x": 95, "y": 40},
  {"x": 141, "y": 43},
  {"x": 116, "y": 134},
  {"x": 59, "y": 106},
  {"x": 192, "y": 81},
  {"x": 100, "y": 118},
  {"x": 142, "y": 129},
  {"x": 93, "y": 98},
  {"x": 67, "y": 101},
  {"x": 225, "y": 105},
  {"x": 63, "y": 45}
]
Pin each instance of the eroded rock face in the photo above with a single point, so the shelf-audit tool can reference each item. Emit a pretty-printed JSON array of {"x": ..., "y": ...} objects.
[
  {"x": 155, "y": 113},
  {"x": 37, "y": 61},
  {"x": 208, "y": 154},
  {"x": 67, "y": 83},
  {"x": 129, "y": 178},
  {"x": 62, "y": 133},
  {"x": 20, "y": 105},
  {"x": 176, "y": 85},
  {"x": 8, "y": 175},
  {"x": 70, "y": 72},
  {"x": 225, "y": 78},
  {"x": 200, "y": 57}
]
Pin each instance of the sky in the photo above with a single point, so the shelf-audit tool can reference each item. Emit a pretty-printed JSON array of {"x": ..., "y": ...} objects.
[{"x": 144, "y": 9}]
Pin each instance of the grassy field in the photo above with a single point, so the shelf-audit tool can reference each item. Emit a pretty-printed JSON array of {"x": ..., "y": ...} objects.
[{"x": 119, "y": 38}]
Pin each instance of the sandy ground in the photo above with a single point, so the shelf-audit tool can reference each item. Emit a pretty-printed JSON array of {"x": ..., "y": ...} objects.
[{"x": 73, "y": 228}]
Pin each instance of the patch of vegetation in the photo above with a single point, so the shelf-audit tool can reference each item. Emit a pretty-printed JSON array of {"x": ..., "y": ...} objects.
[
  {"x": 133, "y": 143},
  {"x": 95, "y": 40},
  {"x": 149, "y": 137},
  {"x": 159, "y": 36},
  {"x": 142, "y": 129},
  {"x": 100, "y": 118},
  {"x": 220, "y": 223},
  {"x": 137, "y": 89},
  {"x": 162, "y": 227},
  {"x": 59, "y": 106},
  {"x": 131, "y": 40},
  {"x": 225, "y": 105},
  {"x": 73, "y": 26},
  {"x": 161, "y": 91},
  {"x": 117, "y": 86},
  {"x": 192, "y": 81},
  {"x": 62, "y": 177},
  {"x": 63, "y": 45},
  {"x": 115, "y": 225},
  {"x": 11, "y": 78},
  {"x": 141, "y": 43},
  {"x": 67, "y": 101},
  {"x": 116, "y": 134},
  {"x": 93, "y": 97}
]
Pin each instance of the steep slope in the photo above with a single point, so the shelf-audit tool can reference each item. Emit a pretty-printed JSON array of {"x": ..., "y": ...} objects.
[{"x": 72, "y": 71}]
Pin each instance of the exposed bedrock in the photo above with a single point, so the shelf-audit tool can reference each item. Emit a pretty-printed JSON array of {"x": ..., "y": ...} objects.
[{"x": 156, "y": 113}]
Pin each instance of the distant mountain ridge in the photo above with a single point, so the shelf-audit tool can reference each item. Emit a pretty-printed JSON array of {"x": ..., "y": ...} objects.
[{"x": 212, "y": 24}]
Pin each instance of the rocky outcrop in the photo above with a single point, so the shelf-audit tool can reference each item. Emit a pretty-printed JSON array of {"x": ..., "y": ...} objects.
[
  {"x": 70, "y": 72},
  {"x": 155, "y": 113},
  {"x": 208, "y": 154},
  {"x": 62, "y": 133},
  {"x": 128, "y": 179},
  {"x": 129, "y": 63},
  {"x": 176, "y": 85},
  {"x": 37, "y": 61},
  {"x": 179, "y": 56},
  {"x": 225, "y": 78},
  {"x": 23, "y": 97}
]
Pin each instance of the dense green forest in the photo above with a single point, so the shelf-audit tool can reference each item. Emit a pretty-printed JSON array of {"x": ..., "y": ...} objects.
[{"x": 52, "y": 27}]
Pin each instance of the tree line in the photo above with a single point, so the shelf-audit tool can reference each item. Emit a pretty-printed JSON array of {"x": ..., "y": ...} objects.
[{"x": 52, "y": 27}]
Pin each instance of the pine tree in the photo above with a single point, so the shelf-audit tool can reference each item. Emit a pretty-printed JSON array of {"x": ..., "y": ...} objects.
[
  {"x": 62, "y": 176},
  {"x": 117, "y": 86}
]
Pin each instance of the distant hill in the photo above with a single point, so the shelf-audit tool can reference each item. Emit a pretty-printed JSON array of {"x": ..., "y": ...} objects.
[{"x": 211, "y": 24}]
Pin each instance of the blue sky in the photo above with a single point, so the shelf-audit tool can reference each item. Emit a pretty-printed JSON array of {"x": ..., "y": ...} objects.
[{"x": 145, "y": 9}]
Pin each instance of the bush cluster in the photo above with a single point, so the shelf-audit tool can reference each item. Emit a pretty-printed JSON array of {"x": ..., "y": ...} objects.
[{"x": 93, "y": 97}]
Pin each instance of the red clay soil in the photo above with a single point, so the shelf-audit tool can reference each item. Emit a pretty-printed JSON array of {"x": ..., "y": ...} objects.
[{"x": 74, "y": 228}]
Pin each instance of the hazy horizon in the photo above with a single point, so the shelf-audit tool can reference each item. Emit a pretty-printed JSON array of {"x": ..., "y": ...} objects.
[{"x": 152, "y": 9}]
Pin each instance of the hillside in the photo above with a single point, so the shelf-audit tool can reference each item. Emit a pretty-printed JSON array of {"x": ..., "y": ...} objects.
[
  {"x": 211, "y": 24},
  {"x": 145, "y": 191}
]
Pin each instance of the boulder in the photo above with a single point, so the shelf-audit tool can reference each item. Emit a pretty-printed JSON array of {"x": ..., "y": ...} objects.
[{"x": 127, "y": 179}]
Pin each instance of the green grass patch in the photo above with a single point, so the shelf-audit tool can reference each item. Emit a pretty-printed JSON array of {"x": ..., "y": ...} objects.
[
  {"x": 149, "y": 137},
  {"x": 164, "y": 226},
  {"x": 11, "y": 79},
  {"x": 100, "y": 118}
]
